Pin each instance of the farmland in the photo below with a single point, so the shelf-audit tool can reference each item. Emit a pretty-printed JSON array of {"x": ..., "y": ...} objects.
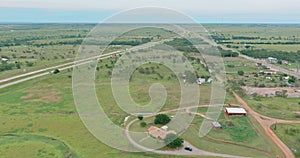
[{"x": 39, "y": 118}]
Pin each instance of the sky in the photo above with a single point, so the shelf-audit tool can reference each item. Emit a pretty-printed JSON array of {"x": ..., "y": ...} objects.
[{"x": 203, "y": 11}]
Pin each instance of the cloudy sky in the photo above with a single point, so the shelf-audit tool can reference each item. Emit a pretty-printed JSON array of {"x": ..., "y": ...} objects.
[{"x": 206, "y": 11}]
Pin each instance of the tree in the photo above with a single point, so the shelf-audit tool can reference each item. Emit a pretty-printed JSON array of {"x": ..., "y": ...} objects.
[
  {"x": 162, "y": 119},
  {"x": 140, "y": 117},
  {"x": 241, "y": 73},
  {"x": 18, "y": 65},
  {"x": 173, "y": 141},
  {"x": 292, "y": 79},
  {"x": 143, "y": 124}
]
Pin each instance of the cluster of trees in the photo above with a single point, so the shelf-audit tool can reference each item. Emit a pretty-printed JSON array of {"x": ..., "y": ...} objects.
[
  {"x": 75, "y": 42},
  {"x": 281, "y": 55},
  {"x": 244, "y": 38},
  {"x": 173, "y": 141},
  {"x": 241, "y": 72},
  {"x": 229, "y": 53},
  {"x": 220, "y": 37},
  {"x": 4, "y": 66},
  {"x": 281, "y": 93},
  {"x": 147, "y": 70},
  {"x": 134, "y": 42},
  {"x": 292, "y": 79},
  {"x": 30, "y": 41},
  {"x": 182, "y": 44},
  {"x": 162, "y": 119}
]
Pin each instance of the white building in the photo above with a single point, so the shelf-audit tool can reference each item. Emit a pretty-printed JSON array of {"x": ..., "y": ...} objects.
[
  {"x": 4, "y": 59},
  {"x": 235, "y": 111},
  {"x": 165, "y": 128},
  {"x": 209, "y": 80},
  {"x": 201, "y": 80},
  {"x": 272, "y": 60}
]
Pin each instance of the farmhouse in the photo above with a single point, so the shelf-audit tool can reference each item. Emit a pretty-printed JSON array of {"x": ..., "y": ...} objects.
[
  {"x": 235, "y": 111},
  {"x": 158, "y": 133},
  {"x": 203, "y": 80}
]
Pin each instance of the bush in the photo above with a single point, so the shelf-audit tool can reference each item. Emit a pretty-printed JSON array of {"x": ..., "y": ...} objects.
[
  {"x": 241, "y": 73},
  {"x": 162, "y": 119},
  {"x": 172, "y": 141},
  {"x": 143, "y": 124},
  {"x": 140, "y": 117}
]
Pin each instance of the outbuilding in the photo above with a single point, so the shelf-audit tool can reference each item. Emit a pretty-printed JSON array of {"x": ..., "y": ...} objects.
[
  {"x": 216, "y": 125},
  {"x": 4, "y": 59},
  {"x": 235, "y": 111},
  {"x": 200, "y": 80}
]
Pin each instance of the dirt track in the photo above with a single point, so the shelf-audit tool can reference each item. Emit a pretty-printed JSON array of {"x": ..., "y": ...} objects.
[{"x": 266, "y": 123}]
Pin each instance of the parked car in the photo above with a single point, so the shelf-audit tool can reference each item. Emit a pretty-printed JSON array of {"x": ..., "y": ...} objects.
[{"x": 188, "y": 148}]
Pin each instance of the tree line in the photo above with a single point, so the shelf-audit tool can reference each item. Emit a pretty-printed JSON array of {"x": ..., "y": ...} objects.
[{"x": 280, "y": 55}]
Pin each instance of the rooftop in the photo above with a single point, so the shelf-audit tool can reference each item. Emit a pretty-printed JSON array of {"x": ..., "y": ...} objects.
[
  {"x": 236, "y": 110},
  {"x": 158, "y": 132}
]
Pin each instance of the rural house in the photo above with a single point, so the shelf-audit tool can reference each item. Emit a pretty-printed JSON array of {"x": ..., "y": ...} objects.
[{"x": 158, "y": 133}]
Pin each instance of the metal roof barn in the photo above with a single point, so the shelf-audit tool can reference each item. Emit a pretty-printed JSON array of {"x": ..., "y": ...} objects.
[{"x": 235, "y": 111}]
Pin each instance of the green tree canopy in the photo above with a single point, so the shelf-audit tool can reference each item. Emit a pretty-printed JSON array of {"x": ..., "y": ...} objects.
[
  {"x": 173, "y": 141},
  {"x": 162, "y": 119}
]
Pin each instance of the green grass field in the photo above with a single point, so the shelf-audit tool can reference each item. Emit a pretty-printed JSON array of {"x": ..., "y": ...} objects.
[
  {"x": 47, "y": 109},
  {"x": 290, "y": 135},
  {"x": 41, "y": 117},
  {"x": 282, "y": 108}
]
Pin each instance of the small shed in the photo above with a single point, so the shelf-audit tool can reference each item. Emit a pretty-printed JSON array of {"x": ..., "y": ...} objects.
[
  {"x": 4, "y": 59},
  {"x": 216, "y": 125},
  {"x": 209, "y": 80},
  {"x": 164, "y": 128}
]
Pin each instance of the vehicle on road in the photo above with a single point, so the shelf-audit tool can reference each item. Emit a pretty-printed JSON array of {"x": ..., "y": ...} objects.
[{"x": 188, "y": 148}]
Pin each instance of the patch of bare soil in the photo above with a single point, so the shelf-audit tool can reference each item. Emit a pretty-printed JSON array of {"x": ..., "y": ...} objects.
[
  {"x": 290, "y": 91},
  {"x": 42, "y": 96}
]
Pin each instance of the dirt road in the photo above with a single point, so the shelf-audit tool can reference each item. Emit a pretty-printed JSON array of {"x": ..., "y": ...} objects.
[
  {"x": 195, "y": 151},
  {"x": 274, "y": 67},
  {"x": 266, "y": 123}
]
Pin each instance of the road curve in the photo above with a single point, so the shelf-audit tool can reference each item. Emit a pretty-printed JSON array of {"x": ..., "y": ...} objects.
[{"x": 195, "y": 152}]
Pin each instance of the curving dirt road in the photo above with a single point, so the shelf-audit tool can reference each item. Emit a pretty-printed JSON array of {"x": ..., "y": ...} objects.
[
  {"x": 195, "y": 151},
  {"x": 266, "y": 123}
]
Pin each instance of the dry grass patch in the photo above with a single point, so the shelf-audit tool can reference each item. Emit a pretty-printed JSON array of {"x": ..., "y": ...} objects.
[{"x": 43, "y": 96}]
